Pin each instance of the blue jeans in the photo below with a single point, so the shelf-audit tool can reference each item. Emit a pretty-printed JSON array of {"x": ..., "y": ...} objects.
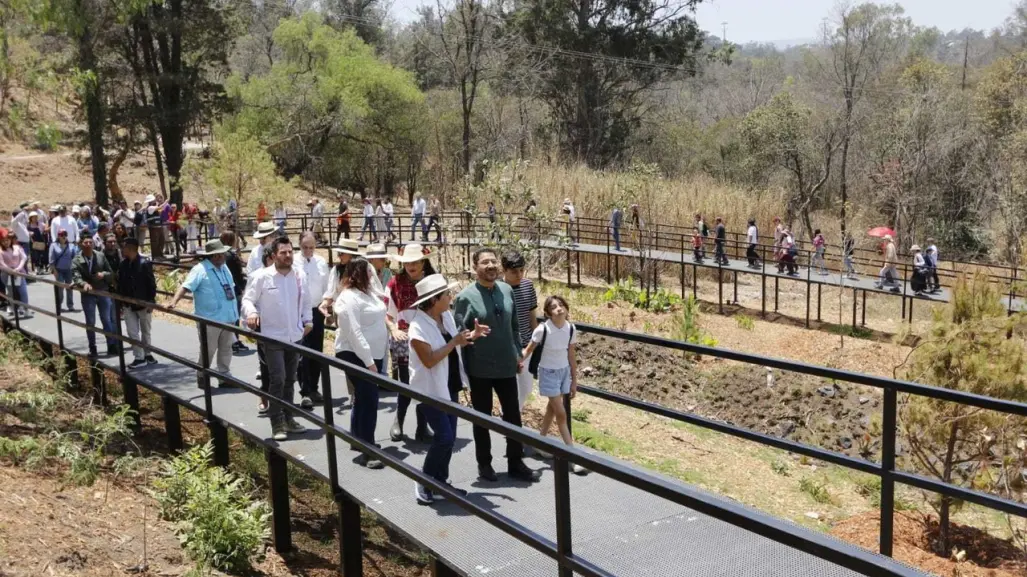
[
  {"x": 17, "y": 293},
  {"x": 64, "y": 276},
  {"x": 364, "y": 417},
  {"x": 418, "y": 219},
  {"x": 368, "y": 226},
  {"x": 436, "y": 461},
  {"x": 616, "y": 237},
  {"x": 90, "y": 303}
]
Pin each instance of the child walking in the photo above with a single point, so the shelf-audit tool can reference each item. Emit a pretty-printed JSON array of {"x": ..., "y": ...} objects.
[
  {"x": 552, "y": 356},
  {"x": 697, "y": 250},
  {"x": 819, "y": 246}
]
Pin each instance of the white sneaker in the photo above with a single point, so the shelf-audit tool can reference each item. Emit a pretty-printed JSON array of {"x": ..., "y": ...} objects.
[
  {"x": 578, "y": 469},
  {"x": 306, "y": 403}
]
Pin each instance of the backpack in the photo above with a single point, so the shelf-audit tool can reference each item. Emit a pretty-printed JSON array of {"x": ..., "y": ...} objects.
[{"x": 536, "y": 355}]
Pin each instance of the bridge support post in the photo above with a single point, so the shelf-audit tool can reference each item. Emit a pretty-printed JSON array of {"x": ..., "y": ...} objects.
[
  {"x": 130, "y": 394},
  {"x": 854, "y": 307},
  {"x": 561, "y": 480},
  {"x": 278, "y": 481},
  {"x": 720, "y": 288},
  {"x": 910, "y": 310},
  {"x": 351, "y": 544},
  {"x": 219, "y": 438},
  {"x": 736, "y": 287},
  {"x": 777, "y": 287},
  {"x": 682, "y": 266},
  {"x": 439, "y": 569},
  {"x": 819, "y": 286},
  {"x": 808, "y": 269},
  {"x": 863, "y": 320},
  {"x": 172, "y": 424},
  {"x": 695, "y": 281}
]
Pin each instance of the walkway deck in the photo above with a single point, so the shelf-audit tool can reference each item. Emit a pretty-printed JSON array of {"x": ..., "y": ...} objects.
[{"x": 618, "y": 528}]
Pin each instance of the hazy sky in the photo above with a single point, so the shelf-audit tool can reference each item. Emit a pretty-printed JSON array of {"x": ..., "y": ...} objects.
[{"x": 772, "y": 20}]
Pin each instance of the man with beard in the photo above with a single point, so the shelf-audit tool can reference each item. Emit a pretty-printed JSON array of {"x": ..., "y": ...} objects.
[{"x": 493, "y": 362}]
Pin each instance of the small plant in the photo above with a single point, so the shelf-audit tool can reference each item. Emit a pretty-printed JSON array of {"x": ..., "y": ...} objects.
[
  {"x": 815, "y": 488},
  {"x": 781, "y": 468},
  {"x": 622, "y": 291},
  {"x": 48, "y": 136},
  {"x": 870, "y": 487},
  {"x": 580, "y": 415},
  {"x": 745, "y": 322},
  {"x": 686, "y": 325},
  {"x": 218, "y": 521},
  {"x": 169, "y": 282},
  {"x": 852, "y": 332}
]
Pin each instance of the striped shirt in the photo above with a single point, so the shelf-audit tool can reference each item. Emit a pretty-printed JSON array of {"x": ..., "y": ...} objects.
[{"x": 526, "y": 302}]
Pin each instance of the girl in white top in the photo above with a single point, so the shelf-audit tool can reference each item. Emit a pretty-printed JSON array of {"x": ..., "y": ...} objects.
[
  {"x": 361, "y": 339},
  {"x": 437, "y": 370},
  {"x": 557, "y": 367}
]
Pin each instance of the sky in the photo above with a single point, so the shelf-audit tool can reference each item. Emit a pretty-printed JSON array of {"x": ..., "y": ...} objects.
[{"x": 789, "y": 21}]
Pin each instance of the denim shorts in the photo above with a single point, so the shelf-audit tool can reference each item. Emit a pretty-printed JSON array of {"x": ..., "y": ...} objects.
[{"x": 554, "y": 382}]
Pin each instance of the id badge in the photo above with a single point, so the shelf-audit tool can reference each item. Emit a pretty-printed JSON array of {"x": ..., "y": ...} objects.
[{"x": 229, "y": 293}]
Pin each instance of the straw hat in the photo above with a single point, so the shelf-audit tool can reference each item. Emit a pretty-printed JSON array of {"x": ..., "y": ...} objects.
[
  {"x": 75, "y": 209},
  {"x": 265, "y": 229},
  {"x": 150, "y": 198},
  {"x": 430, "y": 286},
  {"x": 412, "y": 252},
  {"x": 348, "y": 246},
  {"x": 888, "y": 237},
  {"x": 56, "y": 208},
  {"x": 213, "y": 247},
  {"x": 376, "y": 250},
  {"x": 915, "y": 248}
]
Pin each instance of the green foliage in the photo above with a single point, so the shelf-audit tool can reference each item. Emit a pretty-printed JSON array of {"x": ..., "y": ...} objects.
[
  {"x": 661, "y": 300},
  {"x": 816, "y": 488},
  {"x": 48, "y": 136},
  {"x": 745, "y": 322},
  {"x": 219, "y": 522},
  {"x": 781, "y": 468},
  {"x": 581, "y": 415},
  {"x": 851, "y": 331},
  {"x": 507, "y": 188},
  {"x": 687, "y": 327}
]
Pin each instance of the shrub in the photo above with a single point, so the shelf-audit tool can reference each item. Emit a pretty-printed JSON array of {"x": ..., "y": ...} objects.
[
  {"x": 815, "y": 488},
  {"x": 686, "y": 325},
  {"x": 217, "y": 519},
  {"x": 781, "y": 468},
  {"x": 745, "y": 322},
  {"x": 48, "y": 136}
]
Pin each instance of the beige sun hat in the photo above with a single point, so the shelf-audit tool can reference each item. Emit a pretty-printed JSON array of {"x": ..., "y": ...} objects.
[
  {"x": 915, "y": 248},
  {"x": 888, "y": 237},
  {"x": 265, "y": 229},
  {"x": 412, "y": 252},
  {"x": 348, "y": 246},
  {"x": 430, "y": 286},
  {"x": 150, "y": 198},
  {"x": 376, "y": 250}
]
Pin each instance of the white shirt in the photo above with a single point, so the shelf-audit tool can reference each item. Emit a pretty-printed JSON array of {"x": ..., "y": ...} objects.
[
  {"x": 752, "y": 236},
  {"x": 318, "y": 210},
  {"x": 66, "y": 223},
  {"x": 361, "y": 325},
  {"x": 316, "y": 270},
  {"x": 389, "y": 210},
  {"x": 570, "y": 211},
  {"x": 281, "y": 301},
  {"x": 20, "y": 225},
  {"x": 419, "y": 206},
  {"x": 918, "y": 260},
  {"x": 331, "y": 292},
  {"x": 280, "y": 214},
  {"x": 934, "y": 256},
  {"x": 433, "y": 381},
  {"x": 368, "y": 210},
  {"x": 554, "y": 355},
  {"x": 256, "y": 260}
]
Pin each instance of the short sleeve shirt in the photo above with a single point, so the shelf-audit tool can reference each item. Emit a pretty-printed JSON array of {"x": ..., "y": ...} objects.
[
  {"x": 209, "y": 298},
  {"x": 558, "y": 340},
  {"x": 526, "y": 301}
]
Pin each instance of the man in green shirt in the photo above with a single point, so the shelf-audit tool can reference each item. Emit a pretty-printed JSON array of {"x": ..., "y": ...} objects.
[
  {"x": 492, "y": 363},
  {"x": 90, "y": 272}
]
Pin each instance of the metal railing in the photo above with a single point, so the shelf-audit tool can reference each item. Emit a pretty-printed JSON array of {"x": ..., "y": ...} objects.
[{"x": 561, "y": 550}]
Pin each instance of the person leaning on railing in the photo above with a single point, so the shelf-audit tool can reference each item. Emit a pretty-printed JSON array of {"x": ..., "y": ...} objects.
[
  {"x": 214, "y": 299},
  {"x": 136, "y": 281}
]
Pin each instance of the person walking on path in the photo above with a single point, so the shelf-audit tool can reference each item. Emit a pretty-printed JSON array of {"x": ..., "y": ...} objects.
[
  {"x": 696, "y": 246},
  {"x": 234, "y": 264},
  {"x": 437, "y": 370},
  {"x": 779, "y": 235},
  {"x": 401, "y": 292},
  {"x": 616, "y": 220},
  {"x": 281, "y": 215},
  {"x": 888, "y": 275},
  {"x": 526, "y": 302},
  {"x": 434, "y": 220},
  {"x": 704, "y": 231},
  {"x": 368, "y": 226},
  {"x": 379, "y": 219},
  {"x": 154, "y": 227},
  {"x": 848, "y": 248},
  {"x": 720, "y": 239},
  {"x": 20, "y": 226},
  {"x": 316, "y": 270},
  {"x": 65, "y": 223},
  {"x": 932, "y": 266},
  {"x": 361, "y": 339},
  {"x": 493, "y": 362},
  {"x": 265, "y": 234},
  {"x": 214, "y": 299},
  {"x": 136, "y": 281},
  {"x": 819, "y": 248},
  {"x": 417, "y": 217},
  {"x": 62, "y": 255},
  {"x": 342, "y": 222},
  {"x": 317, "y": 213},
  {"x": 493, "y": 224},
  {"x": 37, "y": 243},
  {"x": 552, "y": 356},
  {"x": 752, "y": 238},
  {"x": 918, "y": 281},
  {"x": 277, "y": 302},
  {"x": 789, "y": 253},
  {"x": 568, "y": 209},
  {"x": 91, "y": 272},
  {"x": 14, "y": 259}
]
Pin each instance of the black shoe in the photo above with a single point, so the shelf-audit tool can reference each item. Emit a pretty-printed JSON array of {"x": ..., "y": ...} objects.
[
  {"x": 315, "y": 397},
  {"x": 136, "y": 364},
  {"x": 92, "y": 355},
  {"x": 487, "y": 473},
  {"x": 423, "y": 436},
  {"x": 440, "y": 496},
  {"x": 518, "y": 470},
  {"x": 151, "y": 360}
]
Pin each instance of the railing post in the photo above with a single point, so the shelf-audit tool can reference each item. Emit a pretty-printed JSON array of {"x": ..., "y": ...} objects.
[
  {"x": 863, "y": 313},
  {"x": 278, "y": 482},
  {"x": 564, "y": 535},
  {"x": 437, "y": 568},
  {"x": 720, "y": 288},
  {"x": 903, "y": 291},
  {"x": 1012, "y": 290},
  {"x": 854, "y": 291},
  {"x": 568, "y": 266},
  {"x": 682, "y": 266},
  {"x": 129, "y": 390},
  {"x": 819, "y": 287},
  {"x": 609, "y": 264},
  {"x": 351, "y": 543},
  {"x": 763, "y": 283},
  {"x": 809, "y": 269},
  {"x": 329, "y": 416},
  {"x": 218, "y": 432},
  {"x": 887, "y": 468},
  {"x": 14, "y": 300},
  {"x": 538, "y": 249},
  {"x": 57, "y": 309},
  {"x": 172, "y": 424}
]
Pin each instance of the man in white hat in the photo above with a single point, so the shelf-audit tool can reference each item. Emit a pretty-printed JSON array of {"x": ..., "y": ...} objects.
[
  {"x": 277, "y": 302},
  {"x": 264, "y": 235},
  {"x": 66, "y": 223},
  {"x": 888, "y": 273},
  {"x": 316, "y": 270},
  {"x": 213, "y": 291}
]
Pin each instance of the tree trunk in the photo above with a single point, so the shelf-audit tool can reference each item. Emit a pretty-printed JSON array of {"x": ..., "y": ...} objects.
[
  {"x": 159, "y": 159},
  {"x": 112, "y": 176},
  {"x": 174, "y": 157},
  {"x": 94, "y": 118},
  {"x": 946, "y": 502},
  {"x": 5, "y": 56}
]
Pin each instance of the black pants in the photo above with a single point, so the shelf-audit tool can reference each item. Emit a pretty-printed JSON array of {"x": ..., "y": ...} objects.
[
  {"x": 752, "y": 256},
  {"x": 481, "y": 400},
  {"x": 310, "y": 370},
  {"x": 719, "y": 254},
  {"x": 934, "y": 277},
  {"x": 401, "y": 373},
  {"x": 340, "y": 230}
]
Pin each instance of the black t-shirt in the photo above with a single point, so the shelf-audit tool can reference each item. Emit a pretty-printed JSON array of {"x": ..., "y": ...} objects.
[
  {"x": 721, "y": 232},
  {"x": 454, "y": 368}
]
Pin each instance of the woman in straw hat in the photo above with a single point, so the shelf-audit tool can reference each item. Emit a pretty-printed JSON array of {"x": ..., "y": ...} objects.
[
  {"x": 362, "y": 340},
  {"x": 437, "y": 370},
  {"x": 401, "y": 293}
]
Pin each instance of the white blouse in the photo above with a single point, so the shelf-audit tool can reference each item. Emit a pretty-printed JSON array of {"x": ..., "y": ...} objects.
[
  {"x": 433, "y": 381},
  {"x": 361, "y": 325}
]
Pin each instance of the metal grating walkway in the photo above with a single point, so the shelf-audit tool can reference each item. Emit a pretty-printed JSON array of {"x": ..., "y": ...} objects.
[{"x": 620, "y": 529}]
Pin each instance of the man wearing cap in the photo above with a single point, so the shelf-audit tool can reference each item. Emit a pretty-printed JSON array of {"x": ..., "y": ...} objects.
[
  {"x": 136, "y": 281},
  {"x": 213, "y": 290},
  {"x": 264, "y": 235},
  {"x": 493, "y": 362},
  {"x": 90, "y": 272},
  {"x": 277, "y": 302},
  {"x": 316, "y": 270},
  {"x": 20, "y": 226}
]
